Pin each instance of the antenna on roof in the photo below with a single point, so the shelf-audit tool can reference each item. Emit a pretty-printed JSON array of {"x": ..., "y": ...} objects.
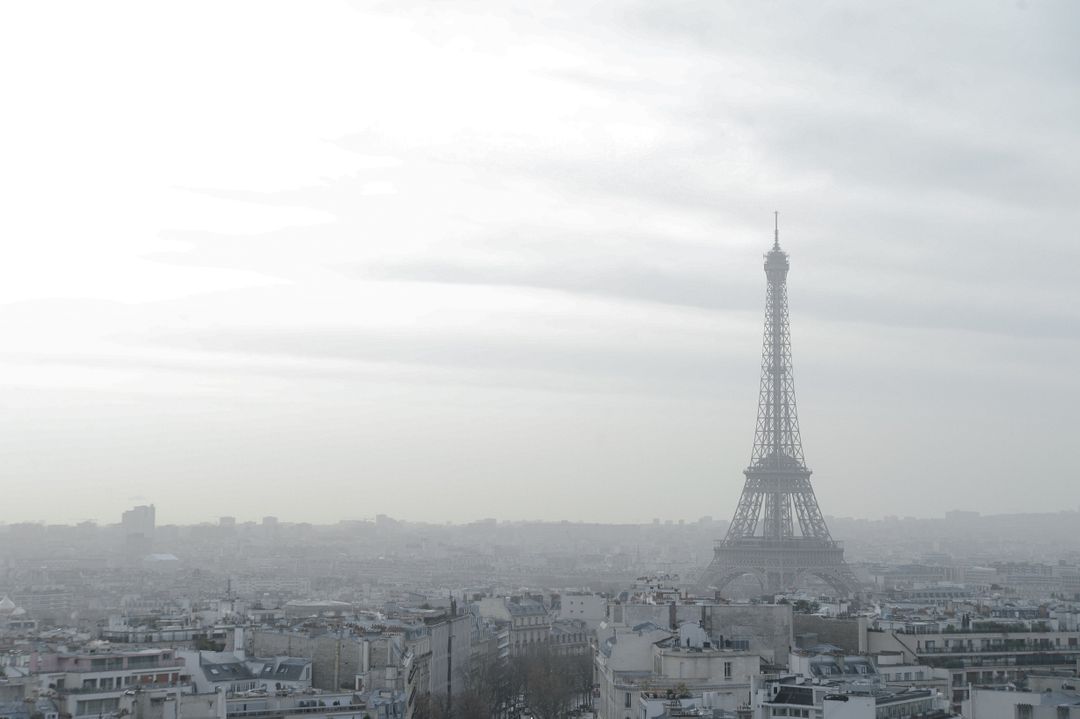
[{"x": 776, "y": 229}]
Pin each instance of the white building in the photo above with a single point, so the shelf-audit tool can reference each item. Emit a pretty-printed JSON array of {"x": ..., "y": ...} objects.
[
  {"x": 800, "y": 696},
  {"x": 13, "y": 618},
  {"x": 589, "y": 608},
  {"x": 97, "y": 681},
  {"x": 528, "y": 620},
  {"x": 640, "y": 670},
  {"x": 1000, "y": 656},
  {"x": 987, "y": 703},
  {"x": 233, "y": 674}
]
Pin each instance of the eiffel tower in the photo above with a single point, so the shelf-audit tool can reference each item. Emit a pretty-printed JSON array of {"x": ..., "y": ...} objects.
[{"x": 763, "y": 540}]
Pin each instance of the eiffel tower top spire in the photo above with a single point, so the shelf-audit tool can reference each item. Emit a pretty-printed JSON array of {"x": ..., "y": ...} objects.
[{"x": 777, "y": 442}]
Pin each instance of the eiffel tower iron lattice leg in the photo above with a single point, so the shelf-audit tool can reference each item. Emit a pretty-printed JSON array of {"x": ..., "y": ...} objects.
[{"x": 763, "y": 540}]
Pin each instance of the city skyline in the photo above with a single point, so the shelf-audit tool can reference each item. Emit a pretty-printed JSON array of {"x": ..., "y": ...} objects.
[
  {"x": 214, "y": 519},
  {"x": 518, "y": 275}
]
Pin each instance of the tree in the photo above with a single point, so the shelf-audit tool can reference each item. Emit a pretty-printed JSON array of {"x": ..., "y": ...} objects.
[
  {"x": 491, "y": 689},
  {"x": 554, "y": 683}
]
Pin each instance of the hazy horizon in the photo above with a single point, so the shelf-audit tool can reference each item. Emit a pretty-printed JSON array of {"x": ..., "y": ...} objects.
[
  {"x": 452, "y": 261},
  {"x": 166, "y": 518}
]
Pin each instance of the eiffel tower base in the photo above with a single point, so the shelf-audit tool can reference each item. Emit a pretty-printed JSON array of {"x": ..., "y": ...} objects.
[{"x": 780, "y": 565}]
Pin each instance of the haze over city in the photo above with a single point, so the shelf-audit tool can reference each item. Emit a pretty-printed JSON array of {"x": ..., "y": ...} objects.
[
  {"x": 450, "y": 261},
  {"x": 546, "y": 359}
]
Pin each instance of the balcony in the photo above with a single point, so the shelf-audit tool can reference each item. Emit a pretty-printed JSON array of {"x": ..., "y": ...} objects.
[
  {"x": 134, "y": 688},
  {"x": 113, "y": 664},
  {"x": 1003, "y": 662},
  {"x": 1003, "y": 648},
  {"x": 333, "y": 709}
]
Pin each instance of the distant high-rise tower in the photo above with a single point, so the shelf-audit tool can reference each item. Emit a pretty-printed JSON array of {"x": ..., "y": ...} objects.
[
  {"x": 138, "y": 527},
  {"x": 763, "y": 540}
]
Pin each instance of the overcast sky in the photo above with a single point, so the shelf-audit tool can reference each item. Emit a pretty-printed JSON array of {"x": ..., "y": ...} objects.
[{"x": 452, "y": 260}]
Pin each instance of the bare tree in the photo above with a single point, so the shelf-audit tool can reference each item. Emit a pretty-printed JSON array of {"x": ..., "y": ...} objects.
[
  {"x": 555, "y": 683},
  {"x": 552, "y": 685}
]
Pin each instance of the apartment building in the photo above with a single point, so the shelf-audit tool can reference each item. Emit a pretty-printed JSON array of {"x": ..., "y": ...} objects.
[
  {"x": 984, "y": 653},
  {"x": 640, "y": 670},
  {"x": 94, "y": 683}
]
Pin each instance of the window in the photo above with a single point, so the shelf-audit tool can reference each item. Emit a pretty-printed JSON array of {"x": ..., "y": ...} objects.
[
  {"x": 727, "y": 670},
  {"x": 627, "y": 700},
  {"x": 96, "y": 706}
]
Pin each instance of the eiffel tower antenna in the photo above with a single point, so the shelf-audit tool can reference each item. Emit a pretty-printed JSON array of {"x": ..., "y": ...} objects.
[{"x": 763, "y": 540}]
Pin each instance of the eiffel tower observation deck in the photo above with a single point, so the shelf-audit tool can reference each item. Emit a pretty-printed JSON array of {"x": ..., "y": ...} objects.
[{"x": 763, "y": 540}]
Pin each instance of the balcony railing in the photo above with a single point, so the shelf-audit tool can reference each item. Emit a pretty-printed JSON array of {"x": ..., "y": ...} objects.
[
  {"x": 1003, "y": 662},
  {"x": 1001, "y": 649},
  {"x": 112, "y": 666},
  {"x": 120, "y": 690},
  {"x": 999, "y": 629},
  {"x": 359, "y": 706}
]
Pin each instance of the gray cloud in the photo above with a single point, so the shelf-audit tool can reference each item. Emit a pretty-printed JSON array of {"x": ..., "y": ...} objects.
[
  {"x": 644, "y": 366},
  {"x": 702, "y": 289}
]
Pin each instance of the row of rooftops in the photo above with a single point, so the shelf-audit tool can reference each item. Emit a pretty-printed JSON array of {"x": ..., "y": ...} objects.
[
  {"x": 226, "y": 666},
  {"x": 218, "y": 666}
]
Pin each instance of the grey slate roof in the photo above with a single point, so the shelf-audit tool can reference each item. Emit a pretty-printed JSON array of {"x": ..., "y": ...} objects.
[
  {"x": 287, "y": 670},
  {"x": 525, "y": 608}
]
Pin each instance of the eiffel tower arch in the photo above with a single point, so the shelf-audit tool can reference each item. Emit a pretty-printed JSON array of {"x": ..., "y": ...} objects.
[{"x": 778, "y": 534}]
